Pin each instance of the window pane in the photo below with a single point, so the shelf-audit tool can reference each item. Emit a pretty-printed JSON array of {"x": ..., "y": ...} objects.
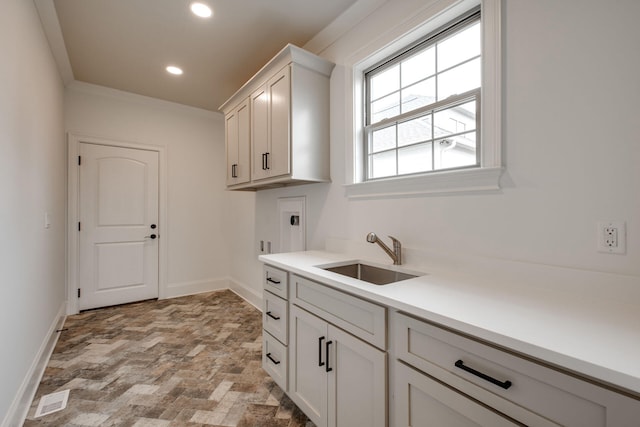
[
  {"x": 386, "y": 107},
  {"x": 418, "y": 67},
  {"x": 414, "y": 131},
  {"x": 386, "y": 82},
  {"x": 416, "y": 158},
  {"x": 460, "y": 47},
  {"x": 429, "y": 137},
  {"x": 459, "y": 79},
  {"x": 382, "y": 164},
  {"x": 456, "y": 151},
  {"x": 456, "y": 119},
  {"x": 419, "y": 95},
  {"x": 383, "y": 139}
]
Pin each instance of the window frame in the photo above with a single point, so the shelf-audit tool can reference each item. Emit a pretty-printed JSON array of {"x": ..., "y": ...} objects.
[
  {"x": 443, "y": 33},
  {"x": 435, "y": 15}
]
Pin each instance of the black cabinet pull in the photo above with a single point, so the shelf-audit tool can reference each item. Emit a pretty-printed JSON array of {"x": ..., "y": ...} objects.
[
  {"x": 505, "y": 385},
  {"x": 272, "y": 316},
  {"x": 269, "y": 279},
  {"x": 266, "y": 161},
  {"x": 234, "y": 171},
  {"x": 320, "y": 362},
  {"x": 275, "y": 362},
  {"x": 328, "y": 369}
]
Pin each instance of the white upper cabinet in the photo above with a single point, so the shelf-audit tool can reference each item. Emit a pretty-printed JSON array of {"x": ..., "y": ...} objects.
[
  {"x": 238, "y": 141},
  {"x": 288, "y": 123}
]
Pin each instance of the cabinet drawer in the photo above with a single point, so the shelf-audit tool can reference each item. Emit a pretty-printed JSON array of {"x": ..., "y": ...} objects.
[
  {"x": 275, "y": 281},
  {"x": 422, "y": 401},
  {"x": 275, "y": 316},
  {"x": 274, "y": 359},
  {"x": 461, "y": 362},
  {"x": 361, "y": 318}
]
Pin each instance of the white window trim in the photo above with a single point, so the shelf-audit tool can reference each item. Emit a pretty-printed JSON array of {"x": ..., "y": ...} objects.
[{"x": 485, "y": 178}]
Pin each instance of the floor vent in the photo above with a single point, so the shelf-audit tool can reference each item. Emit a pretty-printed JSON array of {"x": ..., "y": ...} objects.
[{"x": 51, "y": 403}]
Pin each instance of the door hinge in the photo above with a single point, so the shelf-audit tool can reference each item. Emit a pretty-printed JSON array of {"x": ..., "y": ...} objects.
[
  {"x": 79, "y": 160},
  {"x": 78, "y": 292}
]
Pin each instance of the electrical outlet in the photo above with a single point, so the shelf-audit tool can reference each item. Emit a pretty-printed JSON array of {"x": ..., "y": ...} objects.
[{"x": 612, "y": 237}]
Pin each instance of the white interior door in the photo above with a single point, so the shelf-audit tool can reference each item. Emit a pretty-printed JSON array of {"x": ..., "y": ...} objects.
[{"x": 119, "y": 230}]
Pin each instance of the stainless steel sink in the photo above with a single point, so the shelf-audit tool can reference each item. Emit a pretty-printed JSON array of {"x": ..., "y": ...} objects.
[{"x": 370, "y": 273}]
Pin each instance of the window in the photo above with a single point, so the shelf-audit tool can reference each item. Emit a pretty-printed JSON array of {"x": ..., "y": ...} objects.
[{"x": 422, "y": 106}]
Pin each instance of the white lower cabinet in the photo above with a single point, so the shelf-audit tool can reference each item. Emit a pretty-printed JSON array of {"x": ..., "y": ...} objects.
[
  {"x": 336, "y": 379},
  {"x": 327, "y": 349},
  {"x": 422, "y": 401},
  {"x": 472, "y": 375},
  {"x": 274, "y": 359},
  {"x": 275, "y": 321}
]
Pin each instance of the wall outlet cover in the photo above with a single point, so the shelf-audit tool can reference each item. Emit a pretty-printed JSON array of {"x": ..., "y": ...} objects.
[{"x": 612, "y": 237}]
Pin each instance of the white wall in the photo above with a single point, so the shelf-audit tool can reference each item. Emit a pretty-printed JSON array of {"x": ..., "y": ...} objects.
[
  {"x": 197, "y": 258},
  {"x": 570, "y": 146},
  {"x": 240, "y": 229},
  {"x": 32, "y": 182}
]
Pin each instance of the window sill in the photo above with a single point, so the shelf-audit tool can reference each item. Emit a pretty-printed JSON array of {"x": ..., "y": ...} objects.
[{"x": 477, "y": 180}]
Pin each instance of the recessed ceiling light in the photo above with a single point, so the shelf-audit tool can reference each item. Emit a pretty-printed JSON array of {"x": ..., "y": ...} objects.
[
  {"x": 201, "y": 10},
  {"x": 174, "y": 70}
]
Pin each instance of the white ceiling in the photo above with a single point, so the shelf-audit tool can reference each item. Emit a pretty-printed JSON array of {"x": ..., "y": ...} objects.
[{"x": 126, "y": 44}]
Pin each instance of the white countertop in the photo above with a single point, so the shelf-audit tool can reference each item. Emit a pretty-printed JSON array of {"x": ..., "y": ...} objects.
[{"x": 590, "y": 336}]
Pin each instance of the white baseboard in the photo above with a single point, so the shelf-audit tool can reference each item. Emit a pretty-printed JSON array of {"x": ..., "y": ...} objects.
[
  {"x": 196, "y": 287},
  {"x": 249, "y": 294},
  {"x": 19, "y": 408},
  {"x": 244, "y": 291}
]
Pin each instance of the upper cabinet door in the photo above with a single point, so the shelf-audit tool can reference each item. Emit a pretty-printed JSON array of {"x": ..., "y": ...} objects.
[
  {"x": 231, "y": 132},
  {"x": 279, "y": 157},
  {"x": 243, "y": 170},
  {"x": 238, "y": 143},
  {"x": 259, "y": 132}
]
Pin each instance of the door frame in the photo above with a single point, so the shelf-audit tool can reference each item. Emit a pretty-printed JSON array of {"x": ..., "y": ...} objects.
[{"x": 73, "y": 211}]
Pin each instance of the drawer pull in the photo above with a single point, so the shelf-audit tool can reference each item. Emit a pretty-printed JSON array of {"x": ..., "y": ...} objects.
[
  {"x": 505, "y": 385},
  {"x": 272, "y": 316},
  {"x": 275, "y": 362},
  {"x": 320, "y": 362},
  {"x": 328, "y": 369},
  {"x": 269, "y": 279}
]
